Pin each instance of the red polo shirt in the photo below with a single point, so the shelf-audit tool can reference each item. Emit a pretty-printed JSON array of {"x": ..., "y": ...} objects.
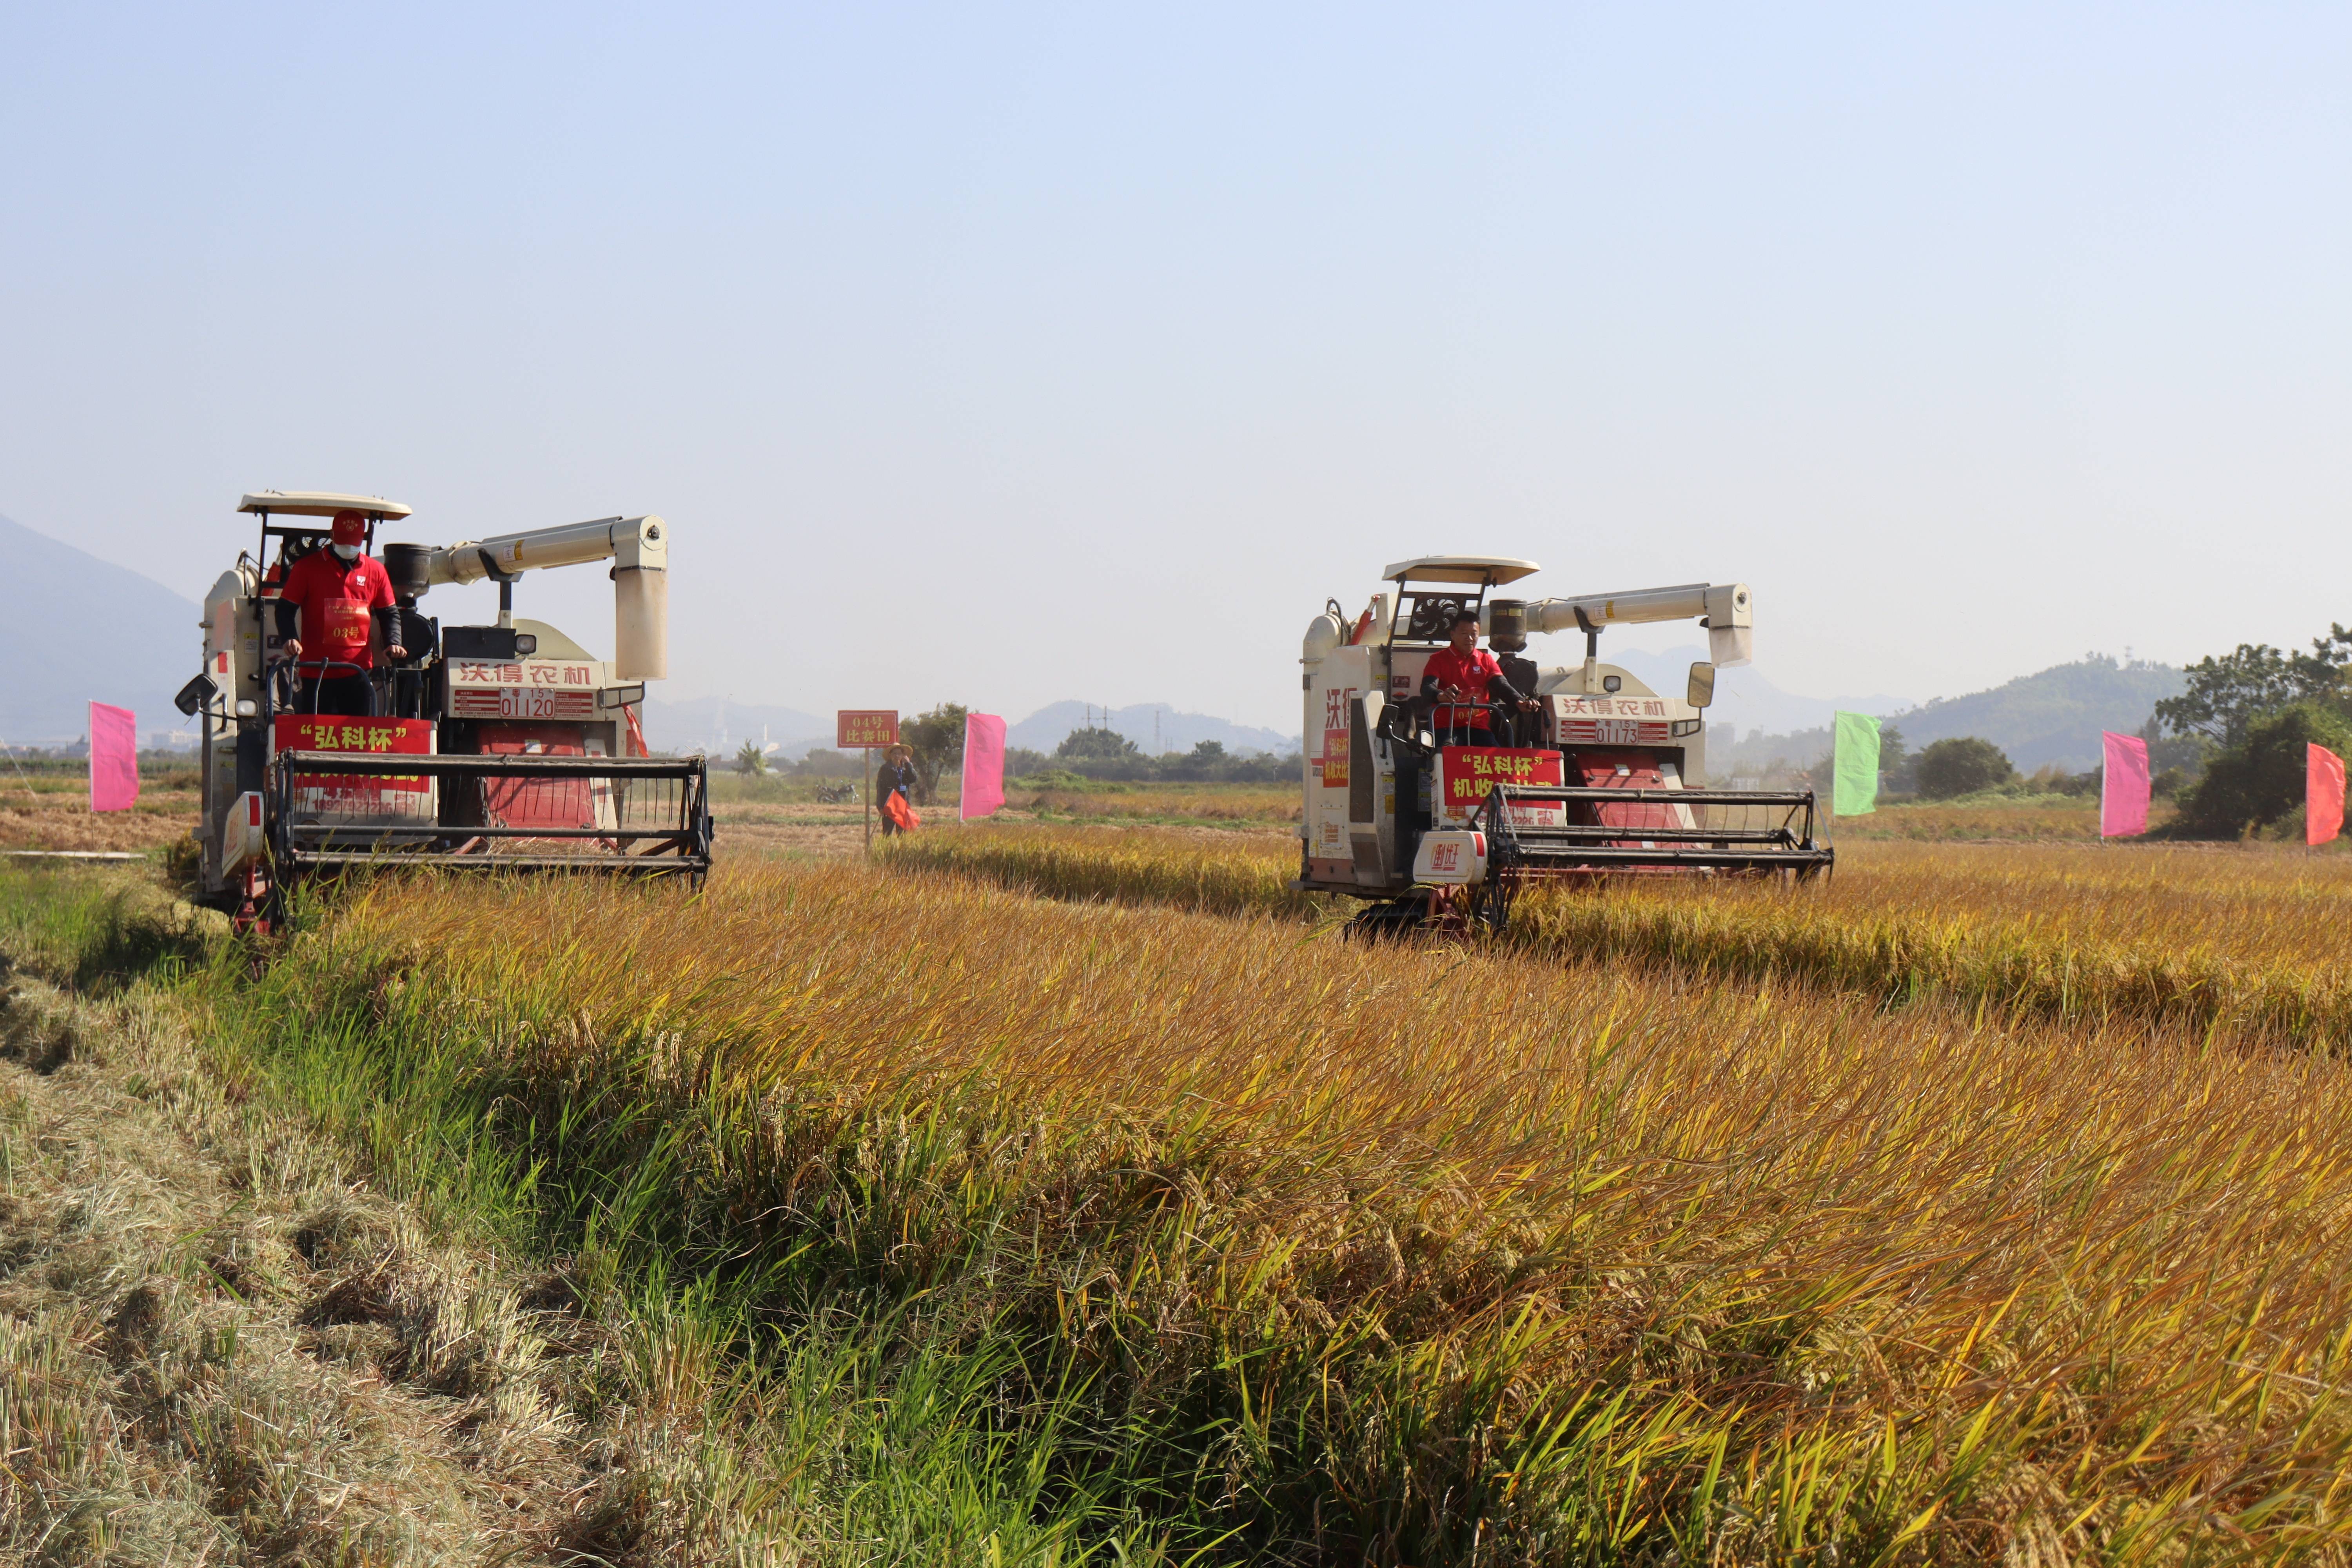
[
  {"x": 1468, "y": 676},
  {"x": 335, "y": 600}
]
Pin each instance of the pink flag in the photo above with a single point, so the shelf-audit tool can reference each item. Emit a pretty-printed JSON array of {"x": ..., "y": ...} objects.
[
  {"x": 113, "y": 758},
  {"x": 2323, "y": 794},
  {"x": 983, "y": 765},
  {"x": 2123, "y": 787}
]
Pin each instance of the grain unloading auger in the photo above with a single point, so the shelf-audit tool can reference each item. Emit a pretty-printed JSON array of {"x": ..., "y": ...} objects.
[
  {"x": 1436, "y": 814},
  {"x": 484, "y": 747}
]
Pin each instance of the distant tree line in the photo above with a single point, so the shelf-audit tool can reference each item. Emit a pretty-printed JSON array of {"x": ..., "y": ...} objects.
[
  {"x": 1955, "y": 767},
  {"x": 2230, "y": 749},
  {"x": 936, "y": 739},
  {"x": 2253, "y": 711},
  {"x": 1107, "y": 755}
]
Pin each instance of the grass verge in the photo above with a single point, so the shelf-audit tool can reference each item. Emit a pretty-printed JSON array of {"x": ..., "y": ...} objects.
[{"x": 301, "y": 1215}]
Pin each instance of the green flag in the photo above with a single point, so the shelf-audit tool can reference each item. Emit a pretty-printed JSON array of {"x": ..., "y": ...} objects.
[{"x": 1857, "y": 765}]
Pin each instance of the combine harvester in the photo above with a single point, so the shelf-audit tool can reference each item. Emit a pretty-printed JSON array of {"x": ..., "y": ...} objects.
[
  {"x": 489, "y": 748},
  {"x": 1599, "y": 777}
]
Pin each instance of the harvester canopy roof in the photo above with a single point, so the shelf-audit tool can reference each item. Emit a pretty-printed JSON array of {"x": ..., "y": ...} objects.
[
  {"x": 1492, "y": 571},
  {"x": 320, "y": 503}
]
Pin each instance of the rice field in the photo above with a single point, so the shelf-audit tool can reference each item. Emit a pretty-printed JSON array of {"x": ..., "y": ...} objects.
[
  {"x": 1212, "y": 806},
  {"x": 1985, "y": 1202},
  {"x": 2245, "y": 945},
  {"x": 1443, "y": 1247},
  {"x": 2039, "y": 819}
]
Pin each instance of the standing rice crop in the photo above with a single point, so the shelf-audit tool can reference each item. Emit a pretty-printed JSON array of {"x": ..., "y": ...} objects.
[
  {"x": 1236, "y": 805},
  {"x": 2239, "y": 947},
  {"x": 1423, "y": 1255},
  {"x": 1216, "y": 874}
]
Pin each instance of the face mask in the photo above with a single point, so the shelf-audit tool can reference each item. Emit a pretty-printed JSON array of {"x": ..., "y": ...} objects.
[{"x": 347, "y": 552}]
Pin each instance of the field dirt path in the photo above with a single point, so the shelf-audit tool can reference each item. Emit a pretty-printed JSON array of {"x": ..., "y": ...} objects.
[
  {"x": 216, "y": 1346},
  {"x": 56, "y": 823}
]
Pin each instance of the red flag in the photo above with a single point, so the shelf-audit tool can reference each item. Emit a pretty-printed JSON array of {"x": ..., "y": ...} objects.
[
  {"x": 113, "y": 758},
  {"x": 983, "y": 765},
  {"x": 2123, "y": 787},
  {"x": 895, "y": 807},
  {"x": 2323, "y": 794}
]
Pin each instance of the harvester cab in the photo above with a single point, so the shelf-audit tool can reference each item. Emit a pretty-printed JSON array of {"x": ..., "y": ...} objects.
[
  {"x": 1439, "y": 811},
  {"x": 483, "y": 747}
]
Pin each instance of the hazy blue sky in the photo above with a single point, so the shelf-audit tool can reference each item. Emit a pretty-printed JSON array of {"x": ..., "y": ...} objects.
[{"x": 1004, "y": 356}]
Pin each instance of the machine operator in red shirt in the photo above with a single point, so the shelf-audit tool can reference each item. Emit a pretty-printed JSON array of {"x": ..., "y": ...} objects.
[
  {"x": 336, "y": 593},
  {"x": 1463, "y": 673}
]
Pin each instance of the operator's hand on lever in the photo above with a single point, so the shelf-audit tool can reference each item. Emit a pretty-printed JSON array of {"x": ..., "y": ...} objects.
[
  {"x": 290, "y": 650},
  {"x": 396, "y": 651}
]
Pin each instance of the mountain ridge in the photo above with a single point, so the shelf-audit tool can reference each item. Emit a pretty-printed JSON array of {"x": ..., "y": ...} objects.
[
  {"x": 76, "y": 630},
  {"x": 2053, "y": 717}
]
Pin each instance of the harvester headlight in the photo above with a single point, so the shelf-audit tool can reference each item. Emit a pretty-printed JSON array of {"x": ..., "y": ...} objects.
[{"x": 247, "y": 708}]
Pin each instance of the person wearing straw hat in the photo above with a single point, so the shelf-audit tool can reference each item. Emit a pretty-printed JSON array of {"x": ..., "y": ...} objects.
[{"x": 895, "y": 781}]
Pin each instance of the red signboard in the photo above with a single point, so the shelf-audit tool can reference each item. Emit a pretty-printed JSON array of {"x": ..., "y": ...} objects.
[
  {"x": 865, "y": 727},
  {"x": 1467, "y": 774},
  {"x": 334, "y": 732}
]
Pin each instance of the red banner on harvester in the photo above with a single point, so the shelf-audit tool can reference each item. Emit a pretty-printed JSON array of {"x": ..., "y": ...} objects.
[
  {"x": 1467, "y": 774},
  {"x": 334, "y": 732}
]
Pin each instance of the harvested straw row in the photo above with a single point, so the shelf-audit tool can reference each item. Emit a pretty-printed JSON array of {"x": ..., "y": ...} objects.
[{"x": 1413, "y": 1254}]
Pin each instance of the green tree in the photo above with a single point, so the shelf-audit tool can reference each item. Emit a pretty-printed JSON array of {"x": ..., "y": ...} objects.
[
  {"x": 937, "y": 740},
  {"x": 2181, "y": 755},
  {"x": 2259, "y": 781},
  {"x": 1895, "y": 760},
  {"x": 750, "y": 758},
  {"x": 1961, "y": 766},
  {"x": 2226, "y": 695},
  {"x": 1097, "y": 744}
]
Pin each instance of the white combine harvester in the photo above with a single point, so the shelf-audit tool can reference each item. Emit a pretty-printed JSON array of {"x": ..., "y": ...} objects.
[
  {"x": 1602, "y": 777},
  {"x": 490, "y": 747}
]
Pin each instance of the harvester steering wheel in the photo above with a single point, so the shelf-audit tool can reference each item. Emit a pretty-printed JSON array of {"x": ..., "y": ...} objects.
[{"x": 326, "y": 664}]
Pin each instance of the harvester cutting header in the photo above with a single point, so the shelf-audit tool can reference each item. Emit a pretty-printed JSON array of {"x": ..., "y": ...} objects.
[
  {"x": 1439, "y": 777},
  {"x": 342, "y": 726}
]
